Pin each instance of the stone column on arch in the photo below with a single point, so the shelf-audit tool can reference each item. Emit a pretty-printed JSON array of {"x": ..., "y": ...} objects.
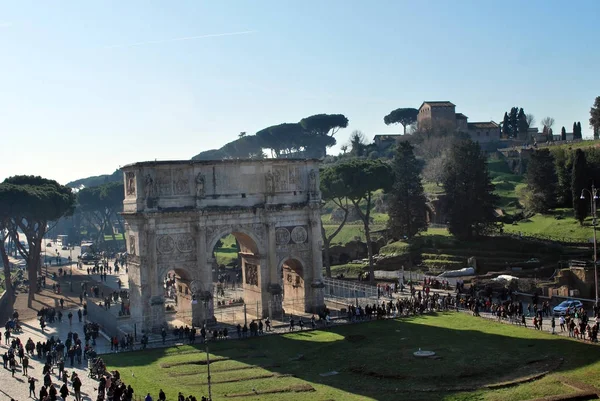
[
  {"x": 203, "y": 309},
  {"x": 274, "y": 293},
  {"x": 315, "y": 299},
  {"x": 155, "y": 319}
]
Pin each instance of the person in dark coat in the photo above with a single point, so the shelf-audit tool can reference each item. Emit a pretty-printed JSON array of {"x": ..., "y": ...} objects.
[{"x": 64, "y": 391}]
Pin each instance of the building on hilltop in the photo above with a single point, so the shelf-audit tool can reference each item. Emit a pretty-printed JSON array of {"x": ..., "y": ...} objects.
[
  {"x": 384, "y": 141},
  {"x": 442, "y": 114},
  {"x": 436, "y": 115},
  {"x": 484, "y": 131}
]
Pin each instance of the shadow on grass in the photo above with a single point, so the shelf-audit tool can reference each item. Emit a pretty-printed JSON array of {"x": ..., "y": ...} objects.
[{"x": 373, "y": 360}]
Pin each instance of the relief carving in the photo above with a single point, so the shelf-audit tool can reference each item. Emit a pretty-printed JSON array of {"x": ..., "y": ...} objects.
[
  {"x": 185, "y": 243},
  {"x": 163, "y": 178},
  {"x": 280, "y": 179},
  {"x": 165, "y": 244},
  {"x": 251, "y": 274},
  {"x": 299, "y": 235},
  {"x": 200, "y": 182},
  {"x": 181, "y": 182},
  {"x": 282, "y": 236},
  {"x": 130, "y": 180},
  {"x": 295, "y": 176}
]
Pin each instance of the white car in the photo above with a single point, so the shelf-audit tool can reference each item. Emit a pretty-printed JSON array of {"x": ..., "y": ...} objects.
[{"x": 566, "y": 307}]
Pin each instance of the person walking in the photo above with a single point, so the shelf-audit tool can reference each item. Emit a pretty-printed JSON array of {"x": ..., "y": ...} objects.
[
  {"x": 64, "y": 391},
  {"x": 553, "y": 324},
  {"x": 77, "y": 387},
  {"x": 25, "y": 364},
  {"x": 31, "y": 387},
  {"x": 163, "y": 334},
  {"x": 70, "y": 316}
]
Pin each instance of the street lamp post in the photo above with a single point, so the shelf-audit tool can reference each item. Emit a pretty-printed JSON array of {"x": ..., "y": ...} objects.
[{"x": 594, "y": 197}]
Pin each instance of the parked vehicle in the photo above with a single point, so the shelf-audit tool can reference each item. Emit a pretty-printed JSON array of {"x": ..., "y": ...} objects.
[{"x": 566, "y": 307}]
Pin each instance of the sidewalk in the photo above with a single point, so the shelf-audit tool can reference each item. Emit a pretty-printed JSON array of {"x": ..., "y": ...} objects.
[{"x": 17, "y": 387}]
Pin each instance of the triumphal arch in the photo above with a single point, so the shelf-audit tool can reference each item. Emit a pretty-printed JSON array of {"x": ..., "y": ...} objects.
[{"x": 176, "y": 212}]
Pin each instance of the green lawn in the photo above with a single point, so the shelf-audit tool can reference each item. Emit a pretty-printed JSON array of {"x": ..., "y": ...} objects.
[
  {"x": 374, "y": 361},
  {"x": 226, "y": 253},
  {"x": 565, "y": 228},
  {"x": 349, "y": 231}
]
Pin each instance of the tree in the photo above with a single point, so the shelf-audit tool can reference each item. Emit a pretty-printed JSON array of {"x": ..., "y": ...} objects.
[
  {"x": 470, "y": 193},
  {"x": 563, "y": 134},
  {"x": 547, "y": 122},
  {"x": 360, "y": 178},
  {"x": 4, "y": 236},
  {"x": 530, "y": 118},
  {"x": 563, "y": 163},
  {"x": 522, "y": 125},
  {"x": 344, "y": 149},
  {"x": 358, "y": 144},
  {"x": 542, "y": 182},
  {"x": 100, "y": 204},
  {"x": 407, "y": 209},
  {"x": 322, "y": 125},
  {"x": 515, "y": 123},
  {"x": 595, "y": 117},
  {"x": 332, "y": 189},
  {"x": 405, "y": 117},
  {"x": 434, "y": 169},
  {"x": 33, "y": 202},
  {"x": 579, "y": 181},
  {"x": 577, "y": 134},
  {"x": 506, "y": 128}
]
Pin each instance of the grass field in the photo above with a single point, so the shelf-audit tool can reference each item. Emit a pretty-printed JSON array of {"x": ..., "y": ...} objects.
[
  {"x": 374, "y": 361},
  {"x": 566, "y": 228}
]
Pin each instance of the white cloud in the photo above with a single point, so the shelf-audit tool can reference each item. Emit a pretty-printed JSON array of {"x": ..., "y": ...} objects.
[{"x": 155, "y": 42}]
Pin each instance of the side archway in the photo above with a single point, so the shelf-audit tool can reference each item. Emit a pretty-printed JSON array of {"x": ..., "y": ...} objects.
[{"x": 295, "y": 288}]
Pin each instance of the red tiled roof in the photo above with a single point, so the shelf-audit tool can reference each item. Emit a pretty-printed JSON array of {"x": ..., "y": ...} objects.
[{"x": 483, "y": 125}]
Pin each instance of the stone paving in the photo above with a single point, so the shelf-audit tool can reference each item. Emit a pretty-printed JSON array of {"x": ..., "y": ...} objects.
[{"x": 17, "y": 387}]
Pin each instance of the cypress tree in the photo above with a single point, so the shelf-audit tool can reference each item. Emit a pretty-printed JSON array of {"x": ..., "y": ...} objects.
[
  {"x": 506, "y": 126},
  {"x": 579, "y": 132},
  {"x": 575, "y": 131},
  {"x": 579, "y": 181},
  {"x": 542, "y": 182},
  {"x": 470, "y": 192},
  {"x": 408, "y": 202},
  {"x": 563, "y": 134}
]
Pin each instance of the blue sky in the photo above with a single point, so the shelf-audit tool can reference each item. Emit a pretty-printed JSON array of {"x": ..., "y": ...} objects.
[{"x": 88, "y": 86}]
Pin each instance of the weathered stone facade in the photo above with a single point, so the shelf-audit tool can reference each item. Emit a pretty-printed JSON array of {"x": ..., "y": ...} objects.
[{"x": 175, "y": 213}]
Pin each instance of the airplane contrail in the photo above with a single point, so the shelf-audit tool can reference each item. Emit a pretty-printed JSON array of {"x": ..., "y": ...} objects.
[{"x": 154, "y": 42}]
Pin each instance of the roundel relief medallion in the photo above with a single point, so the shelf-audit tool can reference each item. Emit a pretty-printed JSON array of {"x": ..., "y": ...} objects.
[
  {"x": 186, "y": 243},
  {"x": 299, "y": 235},
  {"x": 282, "y": 236},
  {"x": 165, "y": 244}
]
